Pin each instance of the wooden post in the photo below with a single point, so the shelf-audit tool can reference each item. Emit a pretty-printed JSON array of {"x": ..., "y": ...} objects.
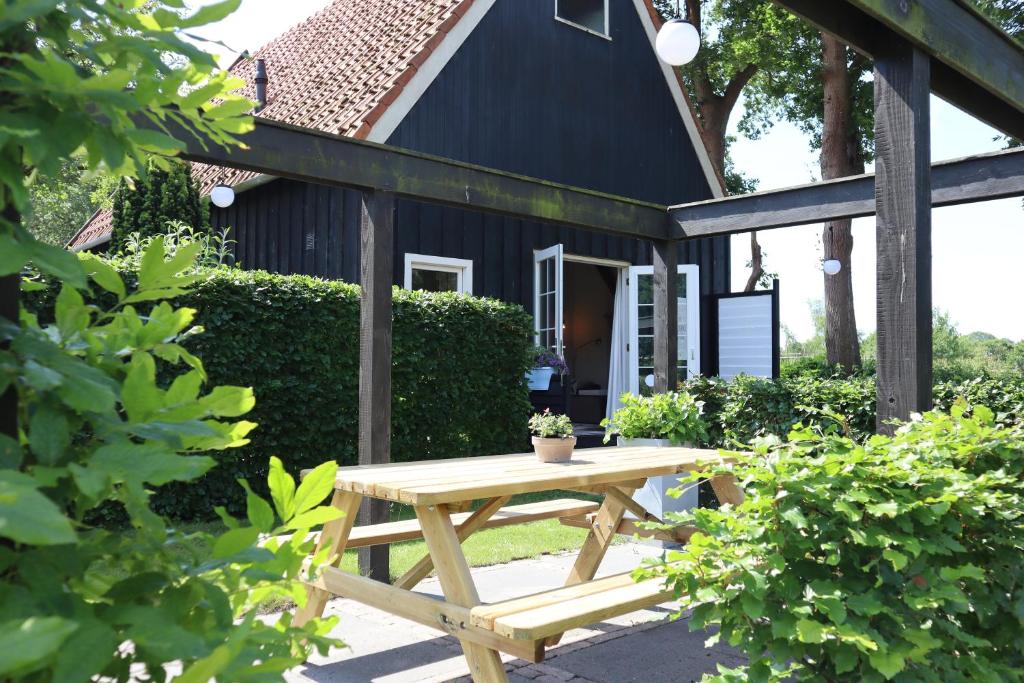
[
  {"x": 903, "y": 206},
  {"x": 377, "y": 238},
  {"x": 666, "y": 314}
]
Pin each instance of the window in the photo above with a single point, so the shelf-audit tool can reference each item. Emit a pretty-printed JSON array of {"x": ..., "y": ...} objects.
[
  {"x": 590, "y": 15},
  {"x": 438, "y": 274}
]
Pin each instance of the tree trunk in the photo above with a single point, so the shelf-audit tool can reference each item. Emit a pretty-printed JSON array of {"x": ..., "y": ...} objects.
[{"x": 840, "y": 156}]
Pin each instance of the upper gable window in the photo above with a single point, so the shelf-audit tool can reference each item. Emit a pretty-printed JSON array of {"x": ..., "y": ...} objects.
[{"x": 590, "y": 15}]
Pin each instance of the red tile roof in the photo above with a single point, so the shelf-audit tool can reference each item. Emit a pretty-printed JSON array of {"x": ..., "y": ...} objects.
[{"x": 337, "y": 71}]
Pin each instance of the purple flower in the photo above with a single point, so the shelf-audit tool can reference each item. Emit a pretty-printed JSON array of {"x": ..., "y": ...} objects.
[{"x": 550, "y": 359}]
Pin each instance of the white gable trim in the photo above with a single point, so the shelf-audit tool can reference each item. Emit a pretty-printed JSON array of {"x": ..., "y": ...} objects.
[
  {"x": 425, "y": 75},
  {"x": 687, "y": 115}
]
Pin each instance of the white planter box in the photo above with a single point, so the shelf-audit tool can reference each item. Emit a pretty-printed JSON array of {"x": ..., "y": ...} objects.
[
  {"x": 654, "y": 495},
  {"x": 539, "y": 379}
]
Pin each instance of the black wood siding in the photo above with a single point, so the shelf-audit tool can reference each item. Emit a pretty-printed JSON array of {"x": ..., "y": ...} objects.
[{"x": 530, "y": 95}]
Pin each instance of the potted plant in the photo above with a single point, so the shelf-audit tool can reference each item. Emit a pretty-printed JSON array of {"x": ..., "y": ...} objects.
[
  {"x": 552, "y": 436},
  {"x": 661, "y": 420},
  {"x": 545, "y": 363}
]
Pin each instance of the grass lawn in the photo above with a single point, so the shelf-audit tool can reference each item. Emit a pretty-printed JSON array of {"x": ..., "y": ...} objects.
[{"x": 486, "y": 547}]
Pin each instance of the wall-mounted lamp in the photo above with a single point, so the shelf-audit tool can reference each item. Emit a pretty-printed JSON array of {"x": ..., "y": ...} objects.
[{"x": 832, "y": 266}]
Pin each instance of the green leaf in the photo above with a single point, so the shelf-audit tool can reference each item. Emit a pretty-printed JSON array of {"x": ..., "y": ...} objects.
[
  {"x": 49, "y": 434},
  {"x": 13, "y": 256},
  {"x": 29, "y": 517},
  {"x": 26, "y": 644},
  {"x": 887, "y": 509},
  {"x": 968, "y": 571},
  {"x": 315, "y": 517},
  {"x": 795, "y": 517},
  {"x": 315, "y": 486},
  {"x": 846, "y": 660},
  {"x": 226, "y": 401},
  {"x": 898, "y": 559},
  {"x": 259, "y": 512},
  {"x": 151, "y": 463},
  {"x": 235, "y": 541},
  {"x": 282, "y": 489},
  {"x": 139, "y": 394},
  {"x": 57, "y": 262},
  {"x": 88, "y": 650},
  {"x": 103, "y": 274},
  {"x": 810, "y": 631},
  {"x": 887, "y": 663}
]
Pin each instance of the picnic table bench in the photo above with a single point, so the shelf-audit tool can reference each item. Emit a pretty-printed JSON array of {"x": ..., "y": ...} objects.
[{"x": 441, "y": 490}]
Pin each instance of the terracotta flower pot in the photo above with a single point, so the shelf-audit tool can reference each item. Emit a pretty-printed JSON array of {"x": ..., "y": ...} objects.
[{"x": 554, "y": 450}]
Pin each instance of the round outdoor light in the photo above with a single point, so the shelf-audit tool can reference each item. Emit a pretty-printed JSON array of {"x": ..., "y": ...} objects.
[
  {"x": 649, "y": 381},
  {"x": 832, "y": 266},
  {"x": 678, "y": 42},
  {"x": 222, "y": 195}
]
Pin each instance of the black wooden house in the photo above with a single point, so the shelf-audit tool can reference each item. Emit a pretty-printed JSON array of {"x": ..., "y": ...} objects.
[{"x": 570, "y": 91}]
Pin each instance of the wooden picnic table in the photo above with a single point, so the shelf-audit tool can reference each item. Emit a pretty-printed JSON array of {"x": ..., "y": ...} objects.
[{"x": 441, "y": 492}]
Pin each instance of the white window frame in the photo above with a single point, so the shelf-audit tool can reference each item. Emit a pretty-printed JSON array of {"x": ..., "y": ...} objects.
[
  {"x": 555, "y": 253},
  {"x": 463, "y": 268},
  {"x": 607, "y": 28}
]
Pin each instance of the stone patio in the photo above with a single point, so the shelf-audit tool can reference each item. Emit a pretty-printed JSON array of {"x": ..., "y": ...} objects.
[{"x": 642, "y": 646}]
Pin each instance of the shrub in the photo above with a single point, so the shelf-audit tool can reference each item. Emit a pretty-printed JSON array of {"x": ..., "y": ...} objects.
[
  {"x": 98, "y": 428},
  {"x": 674, "y": 416},
  {"x": 457, "y": 376},
  {"x": 745, "y": 408},
  {"x": 847, "y": 561}
]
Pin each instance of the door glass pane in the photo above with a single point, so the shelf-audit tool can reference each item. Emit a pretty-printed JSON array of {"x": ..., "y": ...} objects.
[
  {"x": 547, "y": 301},
  {"x": 435, "y": 280},
  {"x": 645, "y": 330}
]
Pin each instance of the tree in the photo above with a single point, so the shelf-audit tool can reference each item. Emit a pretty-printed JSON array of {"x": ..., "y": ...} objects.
[
  {"x": 148, "y": 204},
  {"x": 62, "y": 203}
]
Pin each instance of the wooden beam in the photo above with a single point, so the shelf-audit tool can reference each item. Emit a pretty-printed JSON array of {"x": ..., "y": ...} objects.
[
  {"x": 974, "y": 65},
  {"x": 377, "y": 241},
  {"x": 903, "y": 233},
  {"x": 997, "y": 175},
  {"x": 666, "y": 315},
  {"x": 313, "y": 156}
]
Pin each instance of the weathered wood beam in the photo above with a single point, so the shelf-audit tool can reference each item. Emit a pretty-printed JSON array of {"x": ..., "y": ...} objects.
[
  {"x": 377, "y": 241},
  {"x": 997, "y": 175},
  {"x": 975, "y": 66},
  {"x": 313, "y": 156},
  {"x": 903, "y": 233},
  {"x": 666, "y": 315}
]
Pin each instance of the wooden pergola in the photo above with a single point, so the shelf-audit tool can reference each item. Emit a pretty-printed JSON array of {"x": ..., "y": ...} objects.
[{"x": 918, "y": 47}]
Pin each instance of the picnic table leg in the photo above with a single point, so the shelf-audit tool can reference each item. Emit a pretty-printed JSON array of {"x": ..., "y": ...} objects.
[
  {"x": 457, "y": 584},
  {"x": 602, "y": 533},
  {"x": 421, "y": 569},
  {"x": 334, "y": 536},
  {"x": 726, "y": 490}
]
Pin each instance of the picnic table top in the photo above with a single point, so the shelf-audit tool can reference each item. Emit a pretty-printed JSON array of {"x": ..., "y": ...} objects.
[{"x": 462, "y": 479}]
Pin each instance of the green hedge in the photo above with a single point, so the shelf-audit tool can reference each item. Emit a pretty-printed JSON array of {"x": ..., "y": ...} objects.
[
  {"x": 748, "y": 407},
  {"x": 457, "y": 376}
]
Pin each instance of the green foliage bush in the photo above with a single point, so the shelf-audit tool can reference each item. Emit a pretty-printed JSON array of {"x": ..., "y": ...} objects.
[
  {"x": 457, "y": 376},
  {"x": 867, "y": 561},
  {"x": 745, "y": 408},
  {"x": 146, "y": 205}
]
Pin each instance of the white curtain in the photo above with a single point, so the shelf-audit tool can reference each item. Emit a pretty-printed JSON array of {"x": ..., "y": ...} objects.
[{"x": 618, "y": 363}]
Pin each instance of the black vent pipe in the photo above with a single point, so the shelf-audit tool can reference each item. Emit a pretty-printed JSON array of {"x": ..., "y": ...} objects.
[{"x": 261, "y": 84}]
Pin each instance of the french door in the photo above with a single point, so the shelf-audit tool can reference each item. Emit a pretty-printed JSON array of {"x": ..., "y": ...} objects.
[
  {"x": 547, "y": 298},
  {"x": 640, "y": 350}
]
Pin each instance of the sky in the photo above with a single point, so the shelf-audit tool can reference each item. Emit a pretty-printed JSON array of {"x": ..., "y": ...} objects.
[{"x": 977, "y": 248}]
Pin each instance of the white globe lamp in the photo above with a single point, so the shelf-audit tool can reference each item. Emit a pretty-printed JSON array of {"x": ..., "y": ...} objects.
[
  {"x": 222, "y": 196},
  {"x": 649, "y": 380},
  {"x": 678, "y": 42},
  {"x": 832, "y": 266}
]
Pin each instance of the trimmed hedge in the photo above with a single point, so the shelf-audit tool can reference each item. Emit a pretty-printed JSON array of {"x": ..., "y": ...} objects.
[
  {"x": 748, "y": 407},
  {"x": 458, "y": 382}
]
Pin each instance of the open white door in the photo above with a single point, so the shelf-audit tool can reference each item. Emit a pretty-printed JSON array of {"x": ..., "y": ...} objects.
[
  {"x": 641, "y": 325},
  {"x": 547, "y": 297}
]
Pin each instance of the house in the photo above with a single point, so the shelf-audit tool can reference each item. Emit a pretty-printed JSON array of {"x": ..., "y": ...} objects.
[{"x": 565, "y": 90}]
